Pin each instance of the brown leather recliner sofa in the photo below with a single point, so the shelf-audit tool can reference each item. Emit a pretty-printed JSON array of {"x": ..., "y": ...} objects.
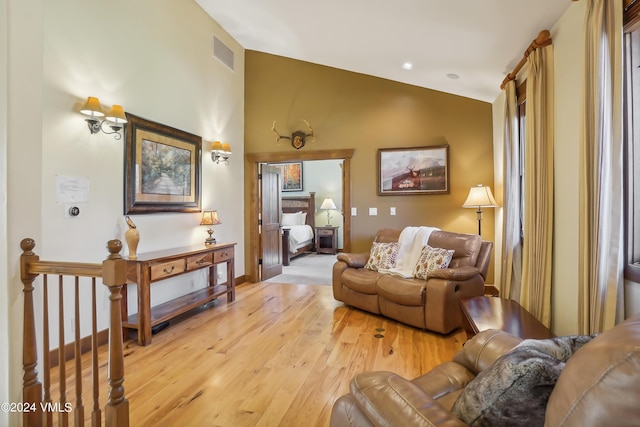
[
  {"x": 429, "y": 304},
  {"x": 598, "y": 386}
]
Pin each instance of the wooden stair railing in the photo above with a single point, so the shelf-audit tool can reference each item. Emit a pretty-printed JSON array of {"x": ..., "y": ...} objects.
[{"x": 37, "y": 398}]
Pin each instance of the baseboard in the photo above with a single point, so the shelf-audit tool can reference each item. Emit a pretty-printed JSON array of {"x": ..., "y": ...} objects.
[
  {"x": 491, "y": 290},
  {"x": 85, "y": 346}
]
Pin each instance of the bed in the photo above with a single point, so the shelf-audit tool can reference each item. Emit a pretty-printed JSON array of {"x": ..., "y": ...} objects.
[{"x": 298, "y": 226}]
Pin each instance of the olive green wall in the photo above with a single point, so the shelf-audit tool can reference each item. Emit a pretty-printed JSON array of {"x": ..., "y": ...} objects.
[{"x": 351, "y": 110}]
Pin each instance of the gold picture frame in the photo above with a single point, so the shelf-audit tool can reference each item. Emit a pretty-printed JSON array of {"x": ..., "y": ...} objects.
[{"x": 162, "y": 170}]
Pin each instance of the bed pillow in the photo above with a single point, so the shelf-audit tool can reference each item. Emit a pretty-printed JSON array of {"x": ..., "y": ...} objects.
[
  {"x": 289, "y": 219},
  {"x": 382, "y": 255},
  {"x": 302, "y": 218},
  {"x": 432, "y": 259}
]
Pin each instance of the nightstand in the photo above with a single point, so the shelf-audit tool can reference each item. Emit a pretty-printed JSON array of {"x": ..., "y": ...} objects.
[{"x": 327, "y": 239}]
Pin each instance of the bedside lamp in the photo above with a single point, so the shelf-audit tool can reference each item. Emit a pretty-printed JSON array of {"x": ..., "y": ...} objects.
[
  {"x": 328, "y": 204},
  {"x": 210, "y": 218},
  {"x": 480, "y": 197}
]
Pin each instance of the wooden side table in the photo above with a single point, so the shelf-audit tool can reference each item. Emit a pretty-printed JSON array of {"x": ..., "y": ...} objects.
[
  {"x": 155, "y": 266},
  {"x": 482, "y": 313},
  {"x": 327, "y": 239}
]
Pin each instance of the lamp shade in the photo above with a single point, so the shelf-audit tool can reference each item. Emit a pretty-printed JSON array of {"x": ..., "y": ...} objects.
[
  {"x": 226, "y": 148},
  {"x": 210, "y": 218},
  {"x": 92, "y": 107},
  {"x": 116, "y": 115},
  {"x": 328, "y": 204},
  {"x": 217, "y": 146},
  {"x": 480, "y": 196}
]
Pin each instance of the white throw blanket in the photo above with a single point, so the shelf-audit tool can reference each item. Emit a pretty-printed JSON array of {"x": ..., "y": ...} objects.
[{"x": 411, "y": 241}]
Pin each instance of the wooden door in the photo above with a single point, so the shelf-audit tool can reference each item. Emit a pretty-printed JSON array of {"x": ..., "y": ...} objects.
[{"x": 269, "y": 220}]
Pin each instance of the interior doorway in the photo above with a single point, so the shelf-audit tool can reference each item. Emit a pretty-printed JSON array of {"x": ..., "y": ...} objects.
[{"x": 255, "y": 159}]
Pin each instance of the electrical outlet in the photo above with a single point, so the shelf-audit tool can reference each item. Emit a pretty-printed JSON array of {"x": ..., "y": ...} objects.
[
  {"x": 392, "y": 211},
  {"x": 373, "y": 211}
]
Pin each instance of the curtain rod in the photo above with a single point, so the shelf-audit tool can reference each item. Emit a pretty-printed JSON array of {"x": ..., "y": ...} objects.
[{"x": 543, "y": 39}]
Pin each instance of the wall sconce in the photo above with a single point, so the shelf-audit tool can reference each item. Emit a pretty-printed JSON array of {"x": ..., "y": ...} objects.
[
  {"x": 210, "y": 218},
  {"x": 480, "y": 197},
  {"x": 220, "y": 152},
  {"x": 115, "y": 118}
]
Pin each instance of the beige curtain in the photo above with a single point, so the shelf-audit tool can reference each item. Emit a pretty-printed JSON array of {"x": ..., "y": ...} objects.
[
  {"x": 511, "y": 267},
  {"x": 535, "y": 295},
  {"x": 601, "y": 179}
]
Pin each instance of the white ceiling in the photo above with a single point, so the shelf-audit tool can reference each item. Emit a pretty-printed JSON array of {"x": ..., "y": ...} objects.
[{"x": 479, "y": 40}]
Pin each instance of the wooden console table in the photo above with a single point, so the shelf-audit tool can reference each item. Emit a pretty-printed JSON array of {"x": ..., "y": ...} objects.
[
  {"x": 155, "y": 266},
  {"x": 482, "y": 313}
]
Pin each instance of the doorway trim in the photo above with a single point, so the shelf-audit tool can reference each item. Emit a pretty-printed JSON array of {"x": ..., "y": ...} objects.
[{"x": 276, "y": 157}]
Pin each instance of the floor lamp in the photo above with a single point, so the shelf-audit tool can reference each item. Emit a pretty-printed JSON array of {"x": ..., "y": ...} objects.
[{"x": 480, "y": 197}]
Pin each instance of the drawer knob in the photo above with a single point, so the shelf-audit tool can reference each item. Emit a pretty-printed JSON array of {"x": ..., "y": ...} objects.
[{"x": 169, "y": 271}]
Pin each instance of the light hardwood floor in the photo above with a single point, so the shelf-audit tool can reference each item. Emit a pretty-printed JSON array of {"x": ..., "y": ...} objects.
[{"x": 280, "y": 355}]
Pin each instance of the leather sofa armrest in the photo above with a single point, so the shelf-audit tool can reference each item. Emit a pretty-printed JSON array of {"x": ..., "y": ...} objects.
[
  {"x": 482, "y": 350},
  {"x": 354, "y": 260},
  {"x": 389, "y": 400},
  {"x": 455, "y": 274}
]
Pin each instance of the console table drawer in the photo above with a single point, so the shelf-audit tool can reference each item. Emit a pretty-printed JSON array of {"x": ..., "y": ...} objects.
[
  {"x": 167, "y": 269},
  {"x": 224, "y": 255},
  {"x": 198, "y": 261}
]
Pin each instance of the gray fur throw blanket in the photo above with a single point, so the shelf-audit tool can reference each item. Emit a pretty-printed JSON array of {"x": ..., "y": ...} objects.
[{"x": 514, "y": 390}]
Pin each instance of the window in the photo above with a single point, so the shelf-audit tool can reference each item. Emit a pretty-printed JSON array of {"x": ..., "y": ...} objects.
[
  {"x": 632, "y": 138},
  {"x": 521, "y": 93}
]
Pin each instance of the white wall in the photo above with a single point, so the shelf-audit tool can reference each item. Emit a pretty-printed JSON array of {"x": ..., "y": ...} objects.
[
  {"x": 154, "y": 57},
  {"x": 568, "y": 45},
  {"x": 5, "y": 314}
]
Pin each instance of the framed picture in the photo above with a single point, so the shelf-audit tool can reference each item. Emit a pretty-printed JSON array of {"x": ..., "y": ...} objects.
[
  {"x": 162, "y": 168},
  {"x": 291, "y": 174},
  {"x": 420, "y": 170}
]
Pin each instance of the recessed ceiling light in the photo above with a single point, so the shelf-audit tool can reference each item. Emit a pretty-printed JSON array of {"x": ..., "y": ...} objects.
[
  {"x": 453, "y": 76},
  {"x": 407, "y": 65}
]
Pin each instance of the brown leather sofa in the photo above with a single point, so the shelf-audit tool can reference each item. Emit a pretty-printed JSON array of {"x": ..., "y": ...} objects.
[
  {"x": 429, "y": 304},
  {"x": 599, "y": 385}
]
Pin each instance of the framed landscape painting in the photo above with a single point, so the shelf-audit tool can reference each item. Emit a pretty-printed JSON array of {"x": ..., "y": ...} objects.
[
  {"x": 162, "y": 171},
  {"x": 291, "y": 174},
  {"x": 419, "y": 170}
]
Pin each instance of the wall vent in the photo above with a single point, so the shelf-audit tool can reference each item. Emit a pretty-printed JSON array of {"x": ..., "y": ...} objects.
[{"x": 222, "y": 52}]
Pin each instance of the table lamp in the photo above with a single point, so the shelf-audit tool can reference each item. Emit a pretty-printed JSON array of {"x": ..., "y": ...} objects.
[
  {"x": 210, "y": 218},
  {"x": 328, "y": 204}
]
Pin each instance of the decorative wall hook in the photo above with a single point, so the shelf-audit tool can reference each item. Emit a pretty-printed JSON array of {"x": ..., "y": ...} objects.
[{"x": 297, "y": 138}]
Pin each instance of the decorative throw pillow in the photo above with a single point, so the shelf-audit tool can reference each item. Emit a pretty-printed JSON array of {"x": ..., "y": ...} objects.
[
  {"x": 432, "y": 259},
  {"x": 514, "y": 390},
  {"x": 382, "y": 255}
]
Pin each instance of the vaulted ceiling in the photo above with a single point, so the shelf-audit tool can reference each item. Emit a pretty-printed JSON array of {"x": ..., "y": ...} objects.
[{"x": 463, "y": 47}]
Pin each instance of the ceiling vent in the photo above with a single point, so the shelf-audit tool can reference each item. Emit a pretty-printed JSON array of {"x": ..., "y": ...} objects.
[{"x": 223, "y": 52}]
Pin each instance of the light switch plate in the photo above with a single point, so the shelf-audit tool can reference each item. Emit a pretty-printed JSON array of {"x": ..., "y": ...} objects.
[
  {"x": 373, "y": 211},
  {"x": 354, "y": 211},
  {"x": 392, "y": 211}
]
